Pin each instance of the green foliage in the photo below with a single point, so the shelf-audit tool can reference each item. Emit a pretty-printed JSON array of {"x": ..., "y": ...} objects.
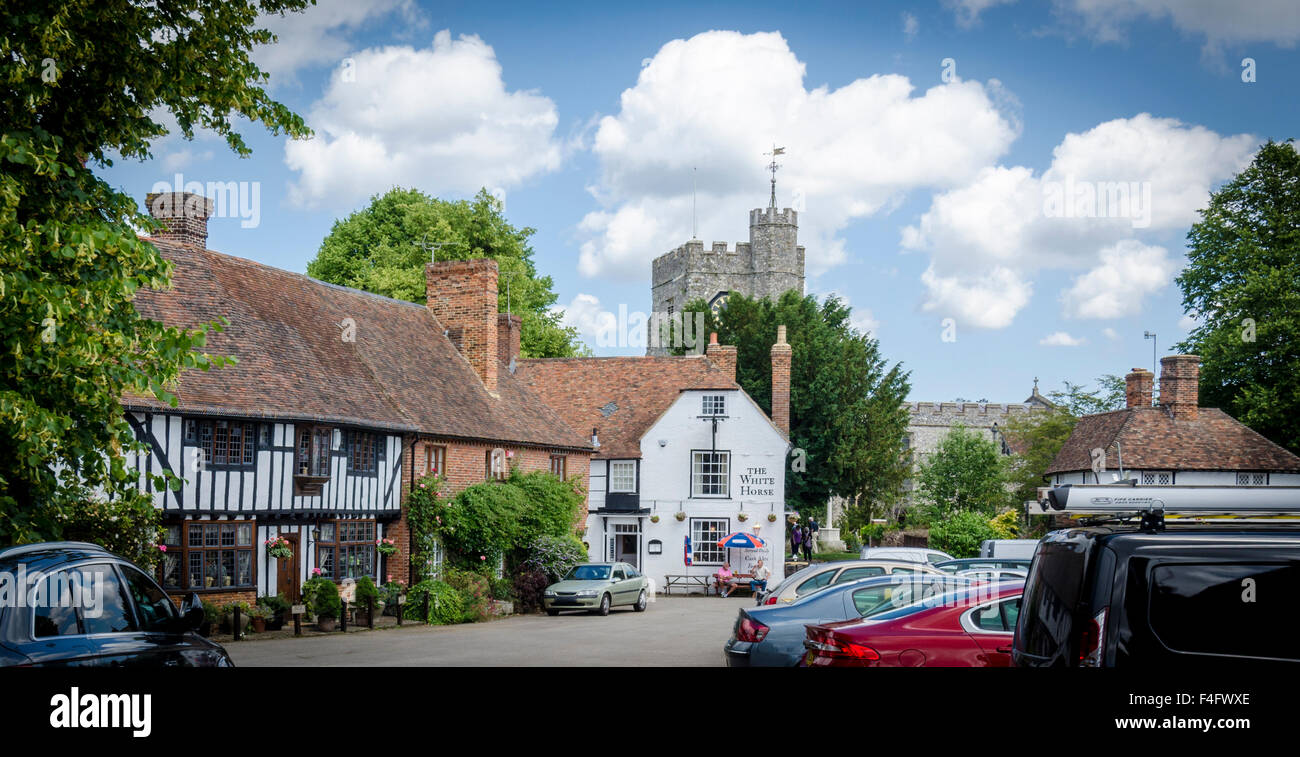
[
  {"x": 1242, "y": 281},
  {"x": 211, "y": 612},
  {"x": 1079, "y": 401},
  {"x": 380, "y": 249},
  {"x": 1006, "y": 525},
  {"x": 551, "y": 505},
  {"x": 503, "y": 589},
  {"x": 553, "y": 556},
  {"x": 129, "y": 527},
  {"x": 366, "y": 591},
  {"x": 84, "y": 83},
  {"x": 445, "y": 605},
  {"x": 835, "y": 556},
  {"x": 277, "y": 605},
  {"x": 528, "y": 588},
  {"x": 846, "y": 402},
  {"x": 324, "y": 593},
  {"x": 960, "y": 533},
  {"x": 475, "y": 593},
  {"x": 481, "y": 523},
  {"x": 964, "y": 473}
]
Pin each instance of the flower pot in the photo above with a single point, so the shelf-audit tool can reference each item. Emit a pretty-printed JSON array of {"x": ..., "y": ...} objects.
[
  {"x": 325, "y": 624},
  {"x": 654, "y": 518},
  {"x": 259, "y": 625},
  {"x": 771, "y": 518}
]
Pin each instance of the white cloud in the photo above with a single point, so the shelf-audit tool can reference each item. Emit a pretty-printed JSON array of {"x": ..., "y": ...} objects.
[
  {"x": 718, "y": 101},
  {"x": 910, "y": 26},
  {"x": 1110, "y": 334},
  {"x": 1188, "y": 323},
  {"x": 1144, "y": 176},
  {"x": 586, "y": 315},
  {"x": 1061, "y": 339},
  {"x": 319, "y": 35},
  {"x": 967, "y": 11},
  {"x": 437, "y": 118},
  {"x": 1276, "y": 21},
  {"x": 1128, "y": 271},
  {"x": 184, "y": 158}
]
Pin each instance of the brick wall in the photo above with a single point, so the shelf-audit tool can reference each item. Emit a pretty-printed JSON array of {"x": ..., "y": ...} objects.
[
  {"x": 781, "y": 356},
  {"x": 1179, "y": 380},
  {"x": 185, "y": 215},
  {"x": 462, "y": 294}
]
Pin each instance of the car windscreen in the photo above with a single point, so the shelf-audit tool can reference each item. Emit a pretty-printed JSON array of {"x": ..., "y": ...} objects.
[
  {"x": 1051, "y": 596},
  {"x": 1226, "y": 609},
  {"x": 915, "y": 594},
  {"x": 588, "y": 573}
]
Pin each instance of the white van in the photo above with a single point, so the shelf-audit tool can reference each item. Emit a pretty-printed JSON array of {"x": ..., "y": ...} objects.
[
  {"x": 1010, "y": 549},
  {"x": 906, "y": 554}
]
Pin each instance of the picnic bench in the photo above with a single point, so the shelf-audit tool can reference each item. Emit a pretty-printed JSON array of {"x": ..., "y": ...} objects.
[{"x": 687, "y": 581}]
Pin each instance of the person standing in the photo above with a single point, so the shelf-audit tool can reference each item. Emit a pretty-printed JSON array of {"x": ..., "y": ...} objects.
[
  {"x": 796, "y": 540},
  {"x": 807, "y": 542}
]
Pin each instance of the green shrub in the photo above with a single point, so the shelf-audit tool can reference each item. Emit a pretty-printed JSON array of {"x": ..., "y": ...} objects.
[
  {"x": 1006, "y": 524},
  {"x": 366, "y": 590},
  {"x": 551, "y": 505},
  {"x": 529, "y": 586},
  {"x": 960, "y": 533},
  {"x": 445, "y": 605},
  {"x": 278, "y": 605},
  {"x": 553, "y": 556},
  {"x": 325, "y": 601},
  {"x": 129, "y": 527},
  {"x": 475, "y": 593},
  {"x": 503, "y": 589},
  {"x": 211, "y": 613}
]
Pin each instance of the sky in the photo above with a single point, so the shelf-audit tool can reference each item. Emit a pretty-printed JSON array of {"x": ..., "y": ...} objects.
[{"x": 1001, "y": 189}]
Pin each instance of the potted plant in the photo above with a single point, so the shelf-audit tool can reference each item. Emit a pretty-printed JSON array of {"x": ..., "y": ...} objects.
[
  {"x": 681, "y": 515},
  {"x": 277, "y": 548},
  {"x": 654, "y": 518},
  {"x": 228, "y": 616},
  {"x": 367, "y": 593},
  {"x": 386, "y": 546},
  {"x": 771, "y": 517},
  {"x": 259, "y": 614},
  {"x": 277, "y": 610},
  {"x": 742, "y": 517},
  {"x": 325, "y": 603},
  {"x": 211, "y": 617}
]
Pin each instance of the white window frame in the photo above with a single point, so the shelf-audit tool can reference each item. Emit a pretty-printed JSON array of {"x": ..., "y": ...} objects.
[
  {"x": 630, "y": 474},
  {"x": 702, "y": 547},
  {"x": 697, "y": 474},
  {"x": 713, "y": 404},
  {"x": 1251, "y": 478}
]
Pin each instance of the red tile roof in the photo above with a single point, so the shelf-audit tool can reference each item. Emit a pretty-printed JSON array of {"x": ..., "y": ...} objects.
[
  {"x": 285, "y": 329},
  {"x": 621, "y": 396},
  {"x": 1151, "y": 440}
]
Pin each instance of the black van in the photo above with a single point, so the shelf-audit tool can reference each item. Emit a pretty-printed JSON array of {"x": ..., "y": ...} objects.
[{"x": 1124, "y": 597}]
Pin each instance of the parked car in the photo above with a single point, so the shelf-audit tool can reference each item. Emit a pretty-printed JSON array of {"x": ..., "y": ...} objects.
[
  {"x": 985, "y": 563},
  {"x": 597, "y": 587},
  {"x": 1018, "y": 549},
  {"x": 1122, "y": 597},
  {"x": 132, "y": 623},
  {"x": 773, "y": 635},
  {"x": 906, "y": 554},
  {"x": 971, "y": 627},
  {"x": 814, "y": 577},
  {"x": 993, "y": 575}
]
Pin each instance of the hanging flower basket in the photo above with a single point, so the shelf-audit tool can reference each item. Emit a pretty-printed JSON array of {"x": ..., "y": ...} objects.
[
  {"x": 277, "y": 548},
  {"x": 680, "y": 516},
  {"x": 654, "y": 518},
  {"x": 386, "y": 546},
  {"x": 771, "y": 517},
  {"x": 742, "y": 517}
]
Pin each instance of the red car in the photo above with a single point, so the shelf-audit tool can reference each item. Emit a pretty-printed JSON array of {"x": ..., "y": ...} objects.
[{"x": 971, "y": 627}]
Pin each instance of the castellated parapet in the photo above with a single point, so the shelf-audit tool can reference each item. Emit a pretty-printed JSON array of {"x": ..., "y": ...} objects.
[{"x": 770, "y": 263}]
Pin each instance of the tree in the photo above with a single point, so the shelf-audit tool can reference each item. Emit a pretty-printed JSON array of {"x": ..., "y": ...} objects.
[
  {"x": 381, "y": 249},
  {"x": 847, "y": 418},
  {"x": 961, "y": 533},
  {"x": 84, "y": 81},
  {"x": 1243, "y": 281},
  {"x": 964, "y": 473}
]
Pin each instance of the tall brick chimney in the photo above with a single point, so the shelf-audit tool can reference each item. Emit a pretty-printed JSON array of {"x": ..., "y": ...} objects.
[
  {"x": 507, "y": 337},
  {"x": 1180, "y": 377},
  {"x": 781, "y": 354},
  {"x": 462, "y": 294},
  {"x": 185, "y": 215},
  {"x": 1137, "y": 388},
  {"x": 722, "y": 355}
]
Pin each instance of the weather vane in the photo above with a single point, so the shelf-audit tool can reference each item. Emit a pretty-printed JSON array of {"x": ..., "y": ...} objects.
[{"x": 772, "y": 167}]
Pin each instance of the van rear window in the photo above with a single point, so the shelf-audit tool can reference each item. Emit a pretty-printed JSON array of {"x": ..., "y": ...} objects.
[
  {"x": 1238, "y": 610},
  {"x": 1051, "y": 596}
]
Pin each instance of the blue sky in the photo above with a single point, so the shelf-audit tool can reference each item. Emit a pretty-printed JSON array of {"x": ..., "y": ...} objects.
[{"x": 922, "y": 142}]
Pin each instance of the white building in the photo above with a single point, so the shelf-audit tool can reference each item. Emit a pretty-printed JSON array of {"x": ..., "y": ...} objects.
[{"x": 683, "y": 453}]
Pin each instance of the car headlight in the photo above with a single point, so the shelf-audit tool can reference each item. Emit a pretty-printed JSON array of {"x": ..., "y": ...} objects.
[
  {"x": 548, "y": 593},
  {"x": 587, "y": 593}
]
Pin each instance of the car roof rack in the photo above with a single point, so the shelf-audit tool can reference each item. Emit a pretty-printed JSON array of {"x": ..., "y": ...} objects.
[{"x": 1183, "y": 504}]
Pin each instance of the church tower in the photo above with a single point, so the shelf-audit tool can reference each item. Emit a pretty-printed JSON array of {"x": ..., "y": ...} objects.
[{"x": 769, "y": 264}]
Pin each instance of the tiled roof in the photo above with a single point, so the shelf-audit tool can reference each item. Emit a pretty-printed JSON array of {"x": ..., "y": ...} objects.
[
  {"x": 621, "y": 396},
  {"x": 286, "y": 330},
  {"x": 1151, "y": 440}
]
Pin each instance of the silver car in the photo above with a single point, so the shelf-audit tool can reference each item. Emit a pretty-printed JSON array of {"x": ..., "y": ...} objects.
[{"x": 819, "y": 575}]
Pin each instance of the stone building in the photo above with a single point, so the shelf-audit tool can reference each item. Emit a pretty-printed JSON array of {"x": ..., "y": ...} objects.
[{"x": 770, "y": 263}]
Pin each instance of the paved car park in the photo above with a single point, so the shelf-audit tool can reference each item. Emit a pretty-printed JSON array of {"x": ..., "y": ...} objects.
[{"x": 672, "y": 631}]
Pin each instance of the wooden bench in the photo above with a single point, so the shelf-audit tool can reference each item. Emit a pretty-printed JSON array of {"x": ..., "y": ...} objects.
[
  {"x": 739, "y": 581},
  {"x": 687, "y": 581}
]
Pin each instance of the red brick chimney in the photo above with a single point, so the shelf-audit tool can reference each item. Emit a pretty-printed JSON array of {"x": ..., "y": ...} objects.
[
  {"x": 507, "y": 337},
  {"x": 1179, "y": 380},
  {"x": 781, "y": 354},
  {"x": 185, "y": 215},
  {"x": 1137, "y": 388},
  {"x": 722, "y": 355},
  {"x": 462, "y": 294}
]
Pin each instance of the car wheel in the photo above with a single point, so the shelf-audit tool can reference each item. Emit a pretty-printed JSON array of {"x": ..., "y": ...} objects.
[
  {"x": 552, "y": 613},
  {"x": 604, "y": 605},
  {"x": 640, "y": 602}
]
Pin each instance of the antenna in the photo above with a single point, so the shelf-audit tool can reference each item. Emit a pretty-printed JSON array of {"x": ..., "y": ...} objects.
[
  {"x": 772, "y": 167},
  {"x": 433, "y": 247}
]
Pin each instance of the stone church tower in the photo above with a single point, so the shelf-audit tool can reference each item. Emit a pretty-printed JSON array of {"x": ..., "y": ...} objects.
[{"x": 766, "y": 266}]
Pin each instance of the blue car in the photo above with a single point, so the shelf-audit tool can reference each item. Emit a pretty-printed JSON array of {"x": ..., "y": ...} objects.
[
  {"x": 773, "y": 635},
  {"x": 84, "y": 606}
]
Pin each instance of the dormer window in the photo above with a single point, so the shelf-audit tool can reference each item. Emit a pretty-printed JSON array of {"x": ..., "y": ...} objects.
[{"x": 715, "y": 404}]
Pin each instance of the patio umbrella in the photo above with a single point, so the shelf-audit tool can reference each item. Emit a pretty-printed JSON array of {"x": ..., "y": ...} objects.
[{"x": 742, "y": 540}]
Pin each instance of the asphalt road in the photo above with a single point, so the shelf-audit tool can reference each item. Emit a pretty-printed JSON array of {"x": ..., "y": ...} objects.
[{"x": 672, "y": 631}]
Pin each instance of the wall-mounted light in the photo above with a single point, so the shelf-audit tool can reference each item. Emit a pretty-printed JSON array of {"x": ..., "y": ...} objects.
[{"x": 663, "y": 442}]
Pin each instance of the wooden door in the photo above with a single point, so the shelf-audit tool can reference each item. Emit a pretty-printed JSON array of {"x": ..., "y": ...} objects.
[{"x": 287, "y": 575}]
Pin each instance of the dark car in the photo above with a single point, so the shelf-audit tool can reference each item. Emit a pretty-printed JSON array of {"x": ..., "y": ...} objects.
[
  {"x": 1116, "y": 596},
  {"x": 84, "y": 606},
  {"x": 773, "y": 635}
]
